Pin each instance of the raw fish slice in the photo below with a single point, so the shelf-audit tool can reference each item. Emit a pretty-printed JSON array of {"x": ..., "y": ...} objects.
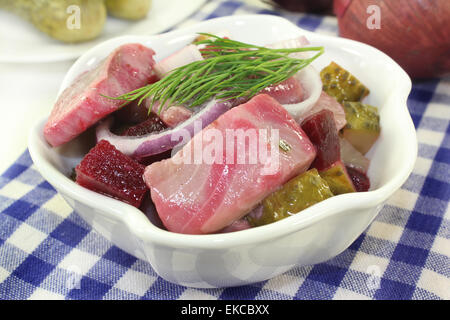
[
  {"x": 293, "y": 43},
  {"x": 203, "y": 197},
  {"x": 81, "y": 105},
  {"x": 171, "y": 116},
  {"x": 287, "y": 92},
  {"x": 180, "y": 58}
]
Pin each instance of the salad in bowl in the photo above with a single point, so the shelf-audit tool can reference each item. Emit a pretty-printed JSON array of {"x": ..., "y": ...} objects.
[{"x": 207, "y": 150}]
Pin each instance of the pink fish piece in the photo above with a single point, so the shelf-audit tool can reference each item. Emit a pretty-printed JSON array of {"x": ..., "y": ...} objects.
[
  {"x": 206, "y": 196},
  {"x": 81, "y": 104}
]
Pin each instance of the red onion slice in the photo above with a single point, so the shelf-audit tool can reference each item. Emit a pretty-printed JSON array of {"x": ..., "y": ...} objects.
[{"x": 155, "y": 143}]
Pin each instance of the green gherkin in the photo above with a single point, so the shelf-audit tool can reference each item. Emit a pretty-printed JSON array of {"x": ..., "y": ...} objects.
[
  {"x": 65, "y": 20},
  {"x": 341, "y": 84},
  {"x": 338, "y": 179},
  {"x": 363, "y": 125},
  {"x": 297, "y": 194}
]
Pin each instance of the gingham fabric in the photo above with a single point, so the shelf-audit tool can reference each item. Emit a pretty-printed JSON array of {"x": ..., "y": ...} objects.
[{"x": 48, "y": 252}]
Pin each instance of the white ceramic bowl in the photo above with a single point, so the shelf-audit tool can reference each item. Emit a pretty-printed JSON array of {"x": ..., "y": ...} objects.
[{"x": 312, "y": 236}]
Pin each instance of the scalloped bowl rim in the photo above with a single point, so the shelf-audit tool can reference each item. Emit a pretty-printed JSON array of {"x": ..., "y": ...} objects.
[{"x": 139, "y": 225}]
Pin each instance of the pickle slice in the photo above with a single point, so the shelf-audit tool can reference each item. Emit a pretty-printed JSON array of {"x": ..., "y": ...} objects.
[
  {"x": 297, "y": 194},
  {"x": 363, "y": 125},
  {"x": 338, "y": 179},
  {"x": 341, "y": 84}
]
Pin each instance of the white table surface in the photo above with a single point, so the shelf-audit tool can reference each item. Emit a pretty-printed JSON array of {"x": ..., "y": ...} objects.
[{"x": 27, "y": 93}]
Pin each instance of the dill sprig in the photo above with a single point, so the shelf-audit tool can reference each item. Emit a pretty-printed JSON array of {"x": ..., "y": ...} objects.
[{"x": 230, "y": 70}]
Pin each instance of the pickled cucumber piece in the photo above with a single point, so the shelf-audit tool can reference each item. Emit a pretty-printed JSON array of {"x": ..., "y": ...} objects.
[
  {"x": 66, "y": 20},
  {"x": 341, "y": 84},
  {"x": 128, "y": 9},
  {"x": 299, "y": 193},
  {"x": 363, "y": 125},
  {"x": 338, "y": 179}
]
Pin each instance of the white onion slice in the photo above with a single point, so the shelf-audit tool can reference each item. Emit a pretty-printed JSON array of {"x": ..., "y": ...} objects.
[
  {"x": 308, "y": 77},
  {"x": 310, "y": 80}
]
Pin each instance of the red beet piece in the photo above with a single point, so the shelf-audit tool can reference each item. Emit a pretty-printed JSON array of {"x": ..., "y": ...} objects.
[
  {"x": 108, "y": 171},
  {"x": 360, "y": 179},
  {"x": 321, "y": 130},
  {"x": 153, "y": 124}
]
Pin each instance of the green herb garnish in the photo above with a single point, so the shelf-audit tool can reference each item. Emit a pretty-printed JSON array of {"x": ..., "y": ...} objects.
[{"x": 231, "y": 70}]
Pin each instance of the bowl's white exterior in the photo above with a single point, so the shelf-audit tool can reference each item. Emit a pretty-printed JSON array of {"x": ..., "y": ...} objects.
[{"x": 315, "y": 235}]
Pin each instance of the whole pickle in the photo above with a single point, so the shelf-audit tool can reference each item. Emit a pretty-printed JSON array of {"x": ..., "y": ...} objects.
[
  {"x": 65, "y": 20},
  {"x": 128, "y": 9},
  {"x": 341, "y": 84},
  {"x": 297, "y": 194}
]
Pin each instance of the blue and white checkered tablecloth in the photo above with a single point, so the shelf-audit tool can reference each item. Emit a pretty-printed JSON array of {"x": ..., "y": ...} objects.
[{"x": 404, "y": 253}]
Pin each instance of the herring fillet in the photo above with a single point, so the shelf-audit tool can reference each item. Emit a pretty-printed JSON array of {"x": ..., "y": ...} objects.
[
  {"x": 200, "y": 198},
  {"x": 79, "y": 106}
]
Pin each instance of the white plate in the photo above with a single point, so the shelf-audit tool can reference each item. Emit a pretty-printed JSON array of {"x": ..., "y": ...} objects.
[{"x": 28, "y": 44}]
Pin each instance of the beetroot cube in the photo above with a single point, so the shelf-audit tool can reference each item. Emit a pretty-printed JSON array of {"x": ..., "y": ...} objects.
[
  {"x": 108, "y": 171},
  {"x": 359, "y": 179},
  {"x": 321, "y": 130},
  {"x": 153, "y": 124}
]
